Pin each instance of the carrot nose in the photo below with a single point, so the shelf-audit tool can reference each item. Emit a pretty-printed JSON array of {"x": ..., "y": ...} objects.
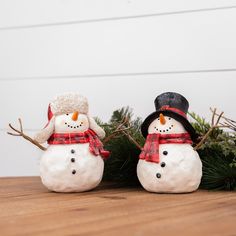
[
  {"x": 75, "y": 116},
  {"x": 162, "y": 119}
]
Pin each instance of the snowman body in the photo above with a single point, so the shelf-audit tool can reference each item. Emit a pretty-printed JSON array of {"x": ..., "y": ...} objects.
[
  {"x": 179, "y": 169},
  {"x": 70, "y": 168}
]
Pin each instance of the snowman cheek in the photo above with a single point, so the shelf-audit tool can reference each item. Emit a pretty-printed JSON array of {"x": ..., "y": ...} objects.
[
  {"x": 62, "y": 122},
  {"x": 86, "y": 126},
  {"x": 85, "y": 123},
  {"x": 152, "y": 130}
]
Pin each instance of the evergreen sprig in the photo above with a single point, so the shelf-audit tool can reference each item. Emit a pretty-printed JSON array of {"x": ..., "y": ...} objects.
[
  {"x": 218, "y": 155},
  {"x": 121, "y": 166}
]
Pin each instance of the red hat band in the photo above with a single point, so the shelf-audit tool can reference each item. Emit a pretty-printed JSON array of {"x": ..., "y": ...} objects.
[{"x": 176, "y": 110}]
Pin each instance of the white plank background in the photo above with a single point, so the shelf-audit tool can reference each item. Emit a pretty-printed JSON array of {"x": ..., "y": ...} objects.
[{"x": 116, "y": 53}]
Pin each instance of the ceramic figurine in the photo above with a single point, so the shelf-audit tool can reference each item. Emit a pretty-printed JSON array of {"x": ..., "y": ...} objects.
[
  {"x": 168, "y": 163},
  {"x": 73, "y": 161}
]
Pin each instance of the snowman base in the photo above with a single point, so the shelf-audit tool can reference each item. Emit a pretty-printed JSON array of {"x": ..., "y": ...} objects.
[
  {"x": 170, "y": 185},
  {"x": 178, "y": 172},
  {"x": 70, "y": 168}
]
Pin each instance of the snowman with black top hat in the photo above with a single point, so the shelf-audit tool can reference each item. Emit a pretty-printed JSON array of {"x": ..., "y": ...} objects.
[{"x": 168, "y": 163}]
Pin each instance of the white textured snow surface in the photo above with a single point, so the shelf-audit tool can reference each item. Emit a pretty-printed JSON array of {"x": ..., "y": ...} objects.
[
  {"x": 182, "y": 171},
  {"x": 57, "y": 167}
]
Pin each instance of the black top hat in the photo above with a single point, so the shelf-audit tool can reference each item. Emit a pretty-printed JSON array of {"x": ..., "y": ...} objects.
[{"x": 173, "y": 105}]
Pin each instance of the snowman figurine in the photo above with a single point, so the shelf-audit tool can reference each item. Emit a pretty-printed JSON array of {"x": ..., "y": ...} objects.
[
  {"x": 73, "y": 161},
  {"x": 168, "y": 163}
]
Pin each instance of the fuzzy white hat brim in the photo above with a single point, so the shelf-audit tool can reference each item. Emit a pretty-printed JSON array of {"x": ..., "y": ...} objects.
[
  {"x": 96, "y": 128},
  {"x": 43, "y": 135}
]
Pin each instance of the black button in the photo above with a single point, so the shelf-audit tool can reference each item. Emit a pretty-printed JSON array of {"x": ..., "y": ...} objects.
[
  {"x": 73, "y": 172},
  {"x": 165, "y": 153},
  {"x": 158, "y": 175},
  {"x": 72, "y": 151},
  {"x": 72, "y": 159},
  {"x": 163, "y": 164}
]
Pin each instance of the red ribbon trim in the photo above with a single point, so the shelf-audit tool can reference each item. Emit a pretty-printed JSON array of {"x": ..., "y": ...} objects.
[{"x": 176, "y": 110}]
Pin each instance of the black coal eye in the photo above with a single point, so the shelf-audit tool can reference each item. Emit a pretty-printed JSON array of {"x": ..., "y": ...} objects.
[
  {"x": 169, "y": 118},
  {"x": 67, "y": 114}
]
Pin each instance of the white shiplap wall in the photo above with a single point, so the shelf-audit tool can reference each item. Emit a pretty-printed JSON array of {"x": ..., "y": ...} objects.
[{"x": 116, "y": 53}]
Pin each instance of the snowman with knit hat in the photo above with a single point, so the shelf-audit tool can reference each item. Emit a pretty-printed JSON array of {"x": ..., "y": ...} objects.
[
  {"x": 168, "y": 163},
  {"x": 73, "y": 161}
]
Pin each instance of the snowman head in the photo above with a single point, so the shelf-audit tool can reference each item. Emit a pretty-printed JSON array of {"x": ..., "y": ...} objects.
[
  {"x": 71, "y": 123},
  {"x": 170, "y": 116},
  {"x": 165, "y": 125},
  {"x": 68, "y": 113}
]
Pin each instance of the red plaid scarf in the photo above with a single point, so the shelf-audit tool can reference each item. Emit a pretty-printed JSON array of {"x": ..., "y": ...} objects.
[
  {"x": 150, "y": 151},
  {"x": 89, "y": 136}
]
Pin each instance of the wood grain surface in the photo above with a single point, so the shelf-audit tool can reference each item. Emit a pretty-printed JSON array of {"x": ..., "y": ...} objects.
[{"x": 28, "y": 208}]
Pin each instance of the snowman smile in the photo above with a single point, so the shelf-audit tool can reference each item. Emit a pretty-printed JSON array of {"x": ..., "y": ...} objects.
[
  {"x": 165, "y": 129},
  {"x": 72, "y": 126}
]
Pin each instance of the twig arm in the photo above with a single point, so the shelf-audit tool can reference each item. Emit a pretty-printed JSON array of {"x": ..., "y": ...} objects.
[
  {"x": 132, "y": 140},
  {"x": 214, "y": 125},
  {"x": 22, "y": 134},
  {"x": 112, "y": 135},
  {"x": 204, "y": 138},
  {"x": 119, "y": 129}
]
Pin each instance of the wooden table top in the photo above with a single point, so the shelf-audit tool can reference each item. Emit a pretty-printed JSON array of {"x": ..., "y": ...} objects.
[{"x": 27, "y": 208}]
